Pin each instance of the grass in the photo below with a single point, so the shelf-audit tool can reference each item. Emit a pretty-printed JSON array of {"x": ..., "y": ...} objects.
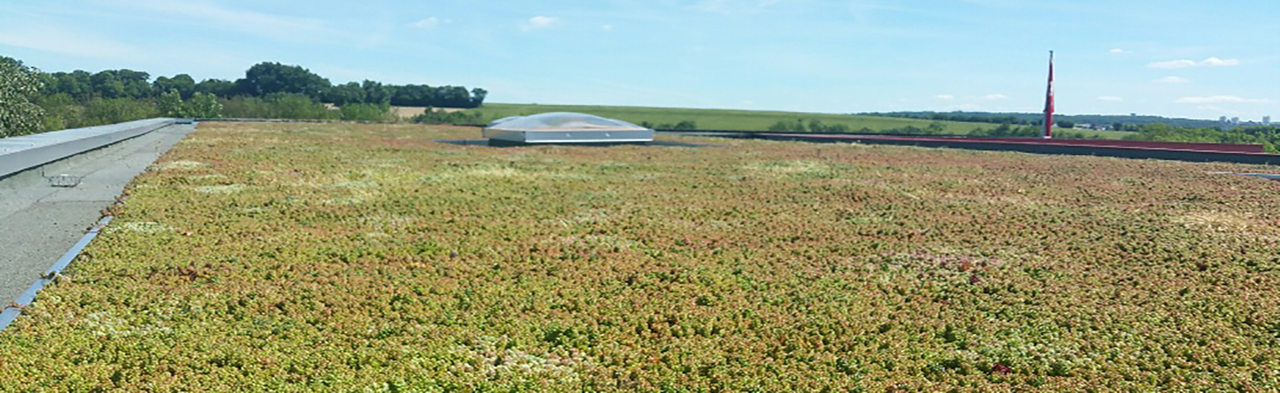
[
  {"x": 745, "y": 120},
  {"x": 343, "y": 257}
]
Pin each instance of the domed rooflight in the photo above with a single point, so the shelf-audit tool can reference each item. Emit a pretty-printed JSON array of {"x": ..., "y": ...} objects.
[{"x": 565, "y": 128}]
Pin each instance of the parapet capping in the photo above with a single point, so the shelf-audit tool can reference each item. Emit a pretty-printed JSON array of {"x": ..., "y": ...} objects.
[{"x": 21, "y": 153}]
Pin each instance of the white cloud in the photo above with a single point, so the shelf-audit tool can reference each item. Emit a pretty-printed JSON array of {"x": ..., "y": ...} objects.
[
  {"x": 1210, "y": 62},
  {"x": 1111, "y": 99},
  {"x": 947, "y": 97},
  {"x": 539, "y": 22},
  {"x": 996, "y": 96},
  {"x": 430, "y": 23},
  {"x": 1222, "y": 100},
  {"x": 1117, "y": 51},
  {"x": 1216, "y": 62},
  {"x": 1172, "y": 80}
]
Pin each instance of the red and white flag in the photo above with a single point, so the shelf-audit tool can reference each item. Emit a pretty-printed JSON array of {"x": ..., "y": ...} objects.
[{"x": 1048, "y": 102}]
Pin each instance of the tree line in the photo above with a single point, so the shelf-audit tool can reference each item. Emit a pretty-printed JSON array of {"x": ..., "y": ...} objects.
[
  {"x": 1267, "y": 136},
  {"x": 261, "y": 80},
  {"x": 35, "y": 101},
  {"x": 1114, "y": 122},
  {"x": 968, "y": 117}
]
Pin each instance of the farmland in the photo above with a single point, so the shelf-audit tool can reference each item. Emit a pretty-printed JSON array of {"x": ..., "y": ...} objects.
[
  {"x": 743, "y": 120},
  {"x": 719, "y": 119},
  {"x": 352, "y": 257}
]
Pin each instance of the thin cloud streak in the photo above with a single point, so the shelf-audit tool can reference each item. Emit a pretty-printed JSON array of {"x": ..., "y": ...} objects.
[
  {"x": 276, "y": 27},
  {"x": 66, "y": 41},
  {"x": 429, "y": 23},
  {"x": 539, "y": 22},
  {"x": 1210, "y": 62}
]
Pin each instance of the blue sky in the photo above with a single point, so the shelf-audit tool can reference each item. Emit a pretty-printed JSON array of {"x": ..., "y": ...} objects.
[{"x": 1175, "y": 58}]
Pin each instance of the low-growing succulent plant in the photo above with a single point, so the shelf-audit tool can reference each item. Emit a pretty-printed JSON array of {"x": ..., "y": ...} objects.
[{"x": 369, "y": 257}]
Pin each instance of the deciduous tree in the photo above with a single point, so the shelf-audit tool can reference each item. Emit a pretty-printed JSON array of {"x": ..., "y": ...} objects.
[
  {"x": 267, "y": 78},
  {"x": 19, "y": 86},
  {"x": 184, "y": 84},
  {"x": 218, "y": 87}
]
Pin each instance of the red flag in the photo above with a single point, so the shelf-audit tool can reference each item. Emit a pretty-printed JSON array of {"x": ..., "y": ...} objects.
[{"x": 1048, "y": 102}]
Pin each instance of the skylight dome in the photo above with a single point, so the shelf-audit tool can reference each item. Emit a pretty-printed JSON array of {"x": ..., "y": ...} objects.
[
  {"x": 558, "y": 121},
  {"x": 565, "y": 127}
]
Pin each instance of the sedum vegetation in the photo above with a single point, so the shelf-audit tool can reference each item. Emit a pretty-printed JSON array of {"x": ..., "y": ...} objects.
[{"x": 368, "y": 257}]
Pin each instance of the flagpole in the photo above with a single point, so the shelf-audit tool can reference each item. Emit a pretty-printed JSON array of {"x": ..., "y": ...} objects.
[{"x": 1048, "y": 103}]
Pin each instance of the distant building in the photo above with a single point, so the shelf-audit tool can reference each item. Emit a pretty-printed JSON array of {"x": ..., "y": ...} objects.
[
  {"x": 1266, "y": 120},
  {"x": 1087, "y": 126},
  {"x": 1235, "y": 120},
  {"x": 1223, "y": 120}
]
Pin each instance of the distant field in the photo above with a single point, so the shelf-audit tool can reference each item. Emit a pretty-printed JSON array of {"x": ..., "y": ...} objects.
[
  {"x": 411, "y": 111},
  {"x": 744, "y": 120},
  {"x": 369, "y": 257},
  {"x": 1093, "y": 133}
]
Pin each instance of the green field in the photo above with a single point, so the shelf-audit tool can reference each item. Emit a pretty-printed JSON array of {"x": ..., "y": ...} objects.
[
  {"x": 742, "y": 120},
  {"x": 349, "y": 257}
]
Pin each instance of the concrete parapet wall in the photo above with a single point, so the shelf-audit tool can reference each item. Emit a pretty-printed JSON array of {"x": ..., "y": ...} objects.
[
  {"x": 20, "y": 153},
  {"x": 1047, "y": 147}
]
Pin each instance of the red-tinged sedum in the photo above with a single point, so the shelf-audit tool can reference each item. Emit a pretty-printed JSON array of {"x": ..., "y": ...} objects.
[{"x": 273, "y": 257}]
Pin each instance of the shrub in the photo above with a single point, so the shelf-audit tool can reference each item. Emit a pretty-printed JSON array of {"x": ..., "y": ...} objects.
[
  {"x": 246, "y": 107},
  {"x": 432, "y": 116},
  {"x": 367, "y": 112},
  {"x": 101, "y": 111},
  {"x": 170, "y": 104},
  {"x": 204, "y": 106},
  {"x": 61, "y": 112},
  {"x": 277, "y": 106},
  {"x": 298, "y": 106}
]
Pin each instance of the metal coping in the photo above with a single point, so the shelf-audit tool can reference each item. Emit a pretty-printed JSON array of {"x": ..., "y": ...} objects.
[
  {"x": 21, "y": 153},
  {"x": 1174, "y": 151},
  {"x": 27, "y": 297},
  {"x": 1107, "y": 143},
  {"x": 1117, "y": 143},
  {"x": 1045, "y": 148},
  {"x": 505, "y": 144}
]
